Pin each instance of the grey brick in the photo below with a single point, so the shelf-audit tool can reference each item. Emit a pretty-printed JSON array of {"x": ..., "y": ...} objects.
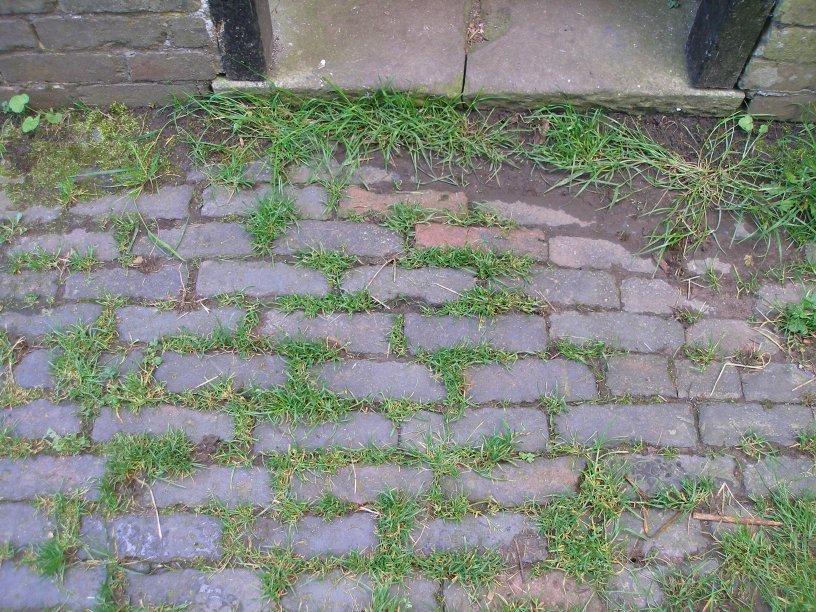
[
  {"x": 122, "y": 363},
  {"x": 315, "y": 537},
  {"x": 95, "y": 541},
  {"x": 637, "y": 588},
  {"x": 19, "y": 7},
  {"x": 169, "y": 202},
  {"x": 653, "y": 296},
  {"x": 728, "y": 336},
  {"x": 528, "y": 380},
  {"x": 225, "y": 589},
  {"x": 259, "y": 279},
  {"x": 181, "y": 372},
  {"x": 164, "y": 284},
  {"x": 188, "y": 32},
  {"x": 182, "y": 536},
  {"x": 513, "y": 485},
  {"x": 60, "y": 34},
  {"x": 63, "y": 68},
  {"x": 531, "y": 215},
  {"x": 725, "y": 424},
  {"x": 573, "y": 288},
  {"x": 196, "y": 424},
  {"x": 359, "y": 378},
  {"x": 199, "y": 240},
  {"x": 714, "y": 382},
  {"x": 652, "y": 473},
  {"x": 655, "y": 424},
  {"x": 231, "y": 486},
  {"x": 102, "y": 245},
  {"x": 357, "y": 333},
  {"x": 32, "y": 325},
  {"x": 16, "y": 34},
  {"x": 129, "y": 6},
  {"x": 632, "y": 332},
  {"x": 138, "y": 324},
  {"x": 172, "y": 65},
  {"x": 639, "y": 375},
  {"x": 677, "y": 542},
  {"x": 431, "y": 285},
  {"x": 23, "y": 588},
  {"x": 360, "y": 484},
  {"x": 17, "y": 286},
  {"x": 220, "y": 201},
  {"x": 34, "y": 370},
  {"x": 514, "y": 536},
  {"x": 361, "y": 239},
  {"x": 516, "y": 333},
  {"x": 777, "y": 382},
  {"x": 44, "y": 475},
  {"x": 797, "y": 475},
  {"x": 139, "y": 94},
  {"x": 34, "y": 420},
  {"x": 357, "y": 430},
  {"x": 418, "y": 592},
  {"x": 528, "y": 424},
  {"x": 333, "y": 591},
  {"x": 23, "y": 525},
  {"x": 573, "y": 252}
]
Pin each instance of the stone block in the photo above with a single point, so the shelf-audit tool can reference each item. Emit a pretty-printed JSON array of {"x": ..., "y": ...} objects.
[
  {"x": 531, "y": 215},
  {"x": 333, "y": 591},
  {"x": 44, "y": 475},
  {"x": 729, "y": 336},
  {"x": 259, "y": 279},
  {"x": 196, "y": 424},
  {"x": 63, "y": 68},
  {"x": 92, "y": 32},
  {"x": 23, "y": 588},
  {"x": 637, "y": 588},
  {"x": 36, "y": 419},
  {"x": 777, "y": 382},
  {"x": 140, "y": 324},
  {"x": 315, "y": 537},
  {"x": 769, "y": 75},
  {"x": 18, "y": 286},
  {"x": 181, "y": 536},
  {"x": 380, "y": 380},
  {"x": 417, "y": 592},
  {"x": 357, "y": 333},
  {"x": 360, "y": 239},
  {"x": 726, "y": 424},
  {"x": 357, "y": 430},
  {"x": 573, "y": 288},
  {"x": 163, "y": 284},
  {"x": 182, "y": 372},
  {"x": 129, "y": 6},
  {"x": 199, "y": 240},
  {"x": 138, "y": 94},
  {"x": 515, "y": 333},
  {"x": 784, "y": 106},
  {"x": 432, "y": 285},
  {"x": 632, "y": 332},
  {"x": 35, "y": 324},
  {"x": 639, "y": 375},
  {"x": 528, "y": 380},
  {"x": 231, "y": 486},
  {"x": 798, "y": 476},
  {"x": 20, "y": 7},
  {"x": 172, "y": 66},
  {"x": 16, "y": 34},
  {"x": 34, "y": 370},
  {"x": 531, "y": 242},
  {"x": 573, "y": 252},
  {"x": 188, "y": 32},
  {"x": 800, "y": 12},
  {"x": 23, "y": 525},
  {"x": 653, "y": 473},
  {"x": 358, "y": 201},
  {"x": 785, "y": 43},
  {"x": 169, "y": 202},
  {"x": 360, "y": 484},
  {"x": 653, "y": 296},
  {"x": 680, "y": 540},
  {"x": 713, "y": 382},
  {"x": 221, "y": 590}
]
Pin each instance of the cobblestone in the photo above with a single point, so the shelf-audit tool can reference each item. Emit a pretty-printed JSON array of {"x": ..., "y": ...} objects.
[
  {"x": 714, "y": 382},
  {"x": 632, "y": 332},
  {"x": 514, "y": 333},
  {"x": 358, "y": 430},
  {"x": 23, "y": 525},
  {"x": 334, "y": 591},
  {"x": 531, "y": 215},
  {"x": 729, "y": 336},
  {"x": 169, "y": 202},
  {"x": 654, "y": 424},
  {"x": 182, "y": 536},
  {"x": 362, "y": 483},
  {"x": 528, "y": 380},
  {"x": 196, "y": 424},
  {"x": 220, "y": 201},
  {"x": 432, "y": 285},
  {"x": 18, "y": 286},
  {"x": 797, "y": 475},
  {"x": 653, "y": 296},
  {"x": 676, "y": 542},
  {"x": 141, "y": 324},
  {"x": 103, "y": 245},
  {"x": 182, "y": 372},
  {"x": 572, "y": 252},
  {"x": 315, "y": 537},
  {"x": 42, "y": 475},
  {"x": 359, "y": 378},
  {"x": 639, "y": 375},
  {"x": 33, "y": 325},
  {"x": 573, "y": 288},
  {"x": 258, "y": 279},
  {"x": 637, "y": 587},
  {"x": 358, "y": 333},
  {"x": 233, "y": 589},
  {"x": 232, "y": 486},
  {"x": 777, "y": 382},
  {"x": 360, "y": 239},
  {"x": 513, "y": 485},
  {"x": 34, "y": 370},
  {"x": 22, "y": 588},
  {"x": 726, "y": 424},
  {"x": 530, "y": 242},
  {"x": 198, "y": 240},
  {"x": 164, "y": 284},
  {"x": 417, "y": 592},
  {"x": 36, "y": 419},
  {"x": 652, "y": 473},
  {"x": 358, "y": 201}
]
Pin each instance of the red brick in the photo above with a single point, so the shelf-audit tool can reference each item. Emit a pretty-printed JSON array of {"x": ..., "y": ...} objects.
[
  {"x": 361, "y": 201},
  {"x": 530, "y": 242}
]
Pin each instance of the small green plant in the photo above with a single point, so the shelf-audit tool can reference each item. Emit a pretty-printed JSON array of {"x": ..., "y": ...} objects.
[
  {"x": 702, "y": 355},
  {"x": 585, "y": 352},
  {"x": 11, "y": 228},
  {"x": 488, "y": 302},
  {"x": 755, "y": 446},
  {"x": 312, "y": 306},
  {"x": 40, "y": 260},
  {"x": 692, "y": 493},
  {"x": 18, "y": 105},
  {"x": 687, "y": 316},
  {"x": 397, "y": 341},
  {"x": 275, "y": 213},
  {"x": 806, "y": 441},
  {"x": 798, "y": 321},
  {"x": 485, "y": 264},
  {"x": 334, "y": 264},
  {"x": 554, "y": 404}
]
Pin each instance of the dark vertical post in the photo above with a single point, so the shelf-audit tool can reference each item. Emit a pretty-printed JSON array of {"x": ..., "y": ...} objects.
[
  {"x": 722, "y": 38},
  {"x": 239, "y": 35}
]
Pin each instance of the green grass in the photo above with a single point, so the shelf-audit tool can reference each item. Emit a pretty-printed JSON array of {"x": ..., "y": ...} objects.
[
  {"x": 488, "y": 302},
  {"x": 54, "y": 556},
  {"x": 40, "y": 260},
  {"x": 397, "y": 342},
  {"x": 312, "y": 306},
  {"x": 275, "y": 213},
  {"x": 806, "y": 441},
  {"x": 585, "y": 352},
  {"x": 692, "y": 493},
  {"x": 687, "y": 316},
  {"x": 484, "y": 264},
  {"x": 701, "y": 355},
  {"x": 755, "y": 446},
  {"x": 798, "y": 321},
  {"x": 404, "y": 217},
  {"x": 334, "y": 264}
]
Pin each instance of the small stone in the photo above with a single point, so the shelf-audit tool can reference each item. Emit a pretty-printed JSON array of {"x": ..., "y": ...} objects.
[
  {"x": 33, "y": 325},
  {"x": 632, "y": 332},
  {"x": 259, "y": 279},
  {"x": 357, "y": 201},
  {"x": 728, "y": 337},
  {"x": 365, "y": 333},
  {"x": 639, "y": 375},
  {"x": 225, "y": 589},
  {"x": 18, "y": 286},
  {"x": 38, "y": 418},
  {"x": 514, "y": 333},
  {"x": 708, "y": 264},
  {"x": 44, "y": 475},
  {"x": 358, "y": 430},
  {"x": 164, "y": 284},
  {"x": 196, "y": 424},
  {"x": 34, "y": 370},
  {"x": 798, "y": 476},
  {"x": 23, "y": 525},
  {"x": 181, "y": 536},
  {"x": 231, "y": 486},
  {"x": 197, "y": 240},
  {"x": 778, "y": 382},
  {"x": 181, "y": 372},
  {"x": 333, "y": 591},
  {"x": 573, "y": 288},
  {"x": 432, "y": 285},
  {"x": 361, "y": 484},
  {"x": 653, "y": 473},
  {"x": 530, "y": 242},
  {"x": 103, "y": 246},
  {"x": 315, "y": 537},
  {"x": 23, "y": 588},
  {"x": 726, "y": 424},
  {"x": 381, "y": 380},
  {"x": 714, "y": 382},
  {"x": 572, "y": 252},
  {"x": 360, "y": 239},
  {"x": 140, "y": 324},
  {"x": 531, "y": 215},
  {"x": 528, "y": 380}
]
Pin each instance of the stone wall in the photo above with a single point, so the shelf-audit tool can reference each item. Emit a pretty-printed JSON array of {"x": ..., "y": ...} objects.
[
  {"x": 780, "y": 77},
  {"x": 100, "y": 51}
]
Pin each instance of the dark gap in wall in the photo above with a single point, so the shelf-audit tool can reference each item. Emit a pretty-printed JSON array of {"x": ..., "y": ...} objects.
[{"x": 239, "y": 36}]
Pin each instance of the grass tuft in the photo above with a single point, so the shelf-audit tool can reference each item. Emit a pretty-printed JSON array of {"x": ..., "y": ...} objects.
[
  {"x": 484, "y": 264},
  {"x": 487, "y": 302},
  {"x": 275, "y": 213}
]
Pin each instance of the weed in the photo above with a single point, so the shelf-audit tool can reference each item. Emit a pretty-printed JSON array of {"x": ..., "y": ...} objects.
[
  {"x": 125, "y": 231},
  {"x": 755, "y": 446},
  {"x": 488, "y": 302},
  {"x": 275, "y": 213},
  {"x": 798, "y": 321},
  {"x": 554, "y": 404},
  {"x": 586, "y": 352},
  {"x": 702, "y": 355},
  {"x": 692, "y": 493},
  {"x": 330, "y": 507},
  {"x": 334, "y": 264},
  {"x": 312, "y": 306},
  {"x": 397, "y": 342},
  {"x": 712, "y": 279},
  {"x": 404, "y": 218},
  {"x": 298, "y": 400},
  {"x": 485, "y": 264},
  {"x": 65, "y": 511},
  {"x": 399, "y": 410},
  {"x": 687, "y": 316},
  {"x": 475, "y": 570},
  {"x": 40, "y": 260},
  {"x": 11, "y": 228},
  {"x": 806, "y": 441}
]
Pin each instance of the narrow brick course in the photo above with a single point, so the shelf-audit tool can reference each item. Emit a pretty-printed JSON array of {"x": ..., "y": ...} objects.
[
  {"x": 232, "y": 486},
  {"x": 198, "y": 240},
  {"x": 315, "y": 537},
  {"x": 36, "y": 419},
  {"x": 572, "y": 288},
  {"x": 631, "y": 332},
  {"x": 726, "y": 424},
  {"x": 361, "y": 484},
  {"x": 223, "y": 589},
  {"x": 164, "y": 284},
  {"x": 432, "y": 285},
  {"x": 515, "y": 333},
  {"x": 182, "y": 536},
  {"x": 377, "y": 380},
  {"x": 196, "y": 424},
  {"x": 639, "y": 375},
  {"x": 528, "y": 380},
  {"x": 358, "y": 430},
  {"x": 359, "y": 201},
  {"x": 360, "y": 239},
  {"x": 219, "y": 201},
  {"x": 653, "y": 296},
  {"x": 181, "y": 372},
  {"x": 43, "y": 475},
  {"x": 258, "y": 279},
  {"x": 357, "y": 333},
  {"x": 141, "y": 324}
]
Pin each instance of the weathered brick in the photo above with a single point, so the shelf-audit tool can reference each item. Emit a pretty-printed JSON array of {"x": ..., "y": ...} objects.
[
  {"x": 729, "y": 336},
  {"x": 418, "y": 592},
  {"x": 637, "y": 588},
  {"x": 16, "y": 34},
  {"x": 431, "y": 285},
  {"x": 654, "y": 424},
  {"x": 783, "y": 106},
  {"x": 531, "y": 215},
  {"x": 225, "y": 589},
  {"x": 129, "y": 6},
  {"x": 360, "y": 484},
  {"x": 169, "y": 202},
  {"x": 34, "y": 370},
  {"x": 714, "y": 382},
  {"x": 196, "y": 424},
  {"x": 232, "y": 486},
  {"x": 139, "y": 324},
  {"x": 63, "y": 68},
  {"x": 798, "y": 476},
  {"x": 513, "y": 485},
  {"x": 801, "y": 12},
  {"x": 36, "y": 419},
  {"x": 28, "y": 214},
  {"x": 102, "y": 245},
  {"x": 676, "y": 542},
  {"x": 23, "y": 588},
  {"x": 358, "y": 430},
  {"x": 181, "y": 372},
  {"x": 188, "y": 32},
  {"x": 181, "y": 536},
  {"x": 777, "y": 382},
  {"x": 639, "y": 375},
  {"x": 522, "y": 241},
  {"x": 18, "y": 286},
  {"x": 770, "y": 75},
  {"x": 259, "y": 279},
  {"x": 528, "y": 380},
  {"x": 515, "y": 333},
  {"x": 514, "y": 536},
  {"x": 218, "y": 201},
  {"x": 653, "y": 473},
  {"x": 199, "y": 240},
  {"x": 164, "y": 284},
  {"x": 572, "y": 252},
  {"x": 785, "y": 43},
  {"x": 725, "y": 424},
  {"x": 360, "y": 239},
  {"x": 358, "y": 333},
  {"x": 358, "y": 201},
  {"x": 172, "y": 65},
  {"x": 61, "y": 34},
  {"x": 631, "y": 332},
  {"x": 315, "y": 537},
  {"x": 49, "y": 319},
  {"x": 45, "y": 475},
  {"x": 23, "y": 525},
  {"x": 360, "y": 378},
  {"x": 94, "y": 538},
  {"x": 138, "y": 94},
  {"x": 653, "y": 296},
  {"x": 19, "y": 7},
  {"x": 529, "y": 426},
  {"x": 572, "y": 288},
  {"x": 332, "y": 591}
]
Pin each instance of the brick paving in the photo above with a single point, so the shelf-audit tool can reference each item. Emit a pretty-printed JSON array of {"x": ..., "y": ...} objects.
[{"x": 669, "y": 418}]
